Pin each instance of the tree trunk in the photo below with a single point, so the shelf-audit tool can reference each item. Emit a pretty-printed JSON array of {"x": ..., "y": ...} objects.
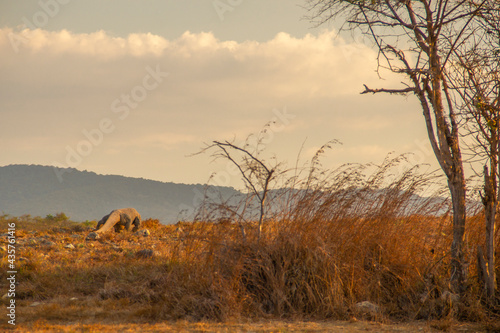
[
  {"x": 458, "y": 269},
  {"x": 447, "y": 151},
  {"x": 481, "y": 267},
  {"x": 490, "y": 206}
]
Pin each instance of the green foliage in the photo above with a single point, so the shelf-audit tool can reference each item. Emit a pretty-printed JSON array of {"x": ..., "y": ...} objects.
[
  {"x": 43, "y": 224},
  {"x": 57, "y": 218}
]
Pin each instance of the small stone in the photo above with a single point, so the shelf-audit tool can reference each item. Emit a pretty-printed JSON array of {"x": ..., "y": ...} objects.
[
  {"x": 35, "y": 304},
  {"x": 6, "y": 296},
  {"x": 144, "y": 254},
  {"x": 117, "y": 248},
  {"x": 47, "y": 243},
  {"x": 144, "y": 232},
  {"x": 367, "y": 308},
  {"x": 92, "y": 236},
  {"x": 73, "y": 299},
  {"x": 3, "y": 249},
  {"x": 450, "y": 297},
  {"x": 69, "y": 246}
]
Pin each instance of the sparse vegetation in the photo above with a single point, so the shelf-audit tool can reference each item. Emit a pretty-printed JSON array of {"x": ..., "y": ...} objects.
[{"x": 356, "y": 234}]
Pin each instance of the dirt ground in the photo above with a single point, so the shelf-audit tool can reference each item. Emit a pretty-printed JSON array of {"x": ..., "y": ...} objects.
[
  {"x": 81, "y": 305},
  {"x": 263, "y": 326}
]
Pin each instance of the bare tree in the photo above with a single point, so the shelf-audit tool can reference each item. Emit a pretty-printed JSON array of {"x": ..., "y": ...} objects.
[
  {"x": 476, "y": 79},
  {"x": 416, "y": 38},
  {"x": 256, "y": 175}
]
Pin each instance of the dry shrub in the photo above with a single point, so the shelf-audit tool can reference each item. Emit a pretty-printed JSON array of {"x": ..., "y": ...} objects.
[
  {"x": 151, "y": 224},
  {"x": 286, "y": 277},
  {"x": 321, "y": 269},
  {"x": 361, "y": 232}
]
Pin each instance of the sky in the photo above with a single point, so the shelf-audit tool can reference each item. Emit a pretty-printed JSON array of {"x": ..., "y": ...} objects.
[{"x": 137, "y": 88}]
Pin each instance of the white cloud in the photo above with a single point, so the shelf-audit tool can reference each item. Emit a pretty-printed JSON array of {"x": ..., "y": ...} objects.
[
  {"x": 61, "y": 83},
  {"x": 99, "y": 45}
]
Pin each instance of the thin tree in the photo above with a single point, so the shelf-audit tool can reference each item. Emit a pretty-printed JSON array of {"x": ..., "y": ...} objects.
[
  {"x": 416, "y": 38},
  {"x": 256, "y": 175},
  {"x": 476, "y": 79}
]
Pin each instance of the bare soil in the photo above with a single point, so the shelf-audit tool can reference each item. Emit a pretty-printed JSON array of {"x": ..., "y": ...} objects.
[{"x": 261, "y": 326}]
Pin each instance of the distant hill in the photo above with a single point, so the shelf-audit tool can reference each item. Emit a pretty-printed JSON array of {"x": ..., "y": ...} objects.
[{"x": 83, "y": 195}]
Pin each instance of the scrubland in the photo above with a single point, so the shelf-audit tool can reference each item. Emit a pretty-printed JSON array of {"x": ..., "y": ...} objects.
[{"x": 322, "y": 253}]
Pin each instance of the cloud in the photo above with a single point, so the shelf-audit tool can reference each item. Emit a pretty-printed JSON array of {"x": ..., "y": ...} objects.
[
  {"x": 60, "y": 84},
  {"x": 283, "y": 67},
  {"x": 99, "y": 45}
]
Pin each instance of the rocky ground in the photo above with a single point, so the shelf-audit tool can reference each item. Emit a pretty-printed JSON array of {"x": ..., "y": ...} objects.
[{"x": 66, "y": 282}]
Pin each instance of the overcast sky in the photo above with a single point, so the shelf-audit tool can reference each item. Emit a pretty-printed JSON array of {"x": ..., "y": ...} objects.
[{"x": 135, "y": 87}]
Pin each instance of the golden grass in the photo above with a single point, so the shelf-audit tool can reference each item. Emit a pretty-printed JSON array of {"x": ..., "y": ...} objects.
[
  {"x": 309, "y": 270},
  {"x": 326, "y": 249}
]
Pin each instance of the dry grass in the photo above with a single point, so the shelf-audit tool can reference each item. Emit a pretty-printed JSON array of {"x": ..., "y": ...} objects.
[{"x": 325, "y": 251}]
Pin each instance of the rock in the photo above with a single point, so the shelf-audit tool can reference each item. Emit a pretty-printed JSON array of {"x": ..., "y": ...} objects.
[
  {"x": 73, "y": 299},
  {"x": 450, "y": 297},
  {"x": 69, "y": 246},
  {"x": 144, "y": 254},
  {"x": 367, "y": 308},
  {"x": 47, "y": 243},
  {"x": 35, "y": 304},
  {"x": 3, "y": 249},
  {"x": 143, "y": 232},
  {"x": 117, "y": 248},
  {"x": 6, "y": 296},
  {"x": 92, "y": 236}
]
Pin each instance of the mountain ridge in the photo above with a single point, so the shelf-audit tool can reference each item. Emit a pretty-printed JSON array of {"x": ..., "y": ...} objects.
[{"x": 85, "y": 195}]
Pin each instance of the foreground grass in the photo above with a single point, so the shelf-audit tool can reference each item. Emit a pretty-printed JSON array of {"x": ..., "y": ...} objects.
[{"x": 191, "y": 273}]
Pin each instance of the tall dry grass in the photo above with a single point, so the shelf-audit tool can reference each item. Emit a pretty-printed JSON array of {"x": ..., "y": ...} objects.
[{"x": 330, "y": 240}]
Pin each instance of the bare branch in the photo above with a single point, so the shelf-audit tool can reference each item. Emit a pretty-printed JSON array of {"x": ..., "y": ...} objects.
[{"x": 389, "y": 91}]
